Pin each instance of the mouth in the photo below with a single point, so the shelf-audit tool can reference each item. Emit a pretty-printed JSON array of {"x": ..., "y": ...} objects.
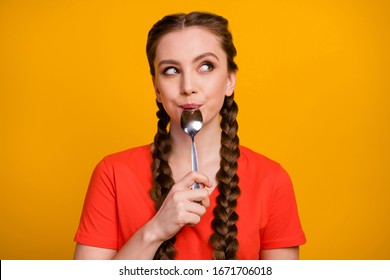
[{"x": 190, "y": 107}]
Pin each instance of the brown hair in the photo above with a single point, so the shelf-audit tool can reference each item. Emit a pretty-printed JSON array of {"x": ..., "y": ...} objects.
[{"x": 224, "y": 238}]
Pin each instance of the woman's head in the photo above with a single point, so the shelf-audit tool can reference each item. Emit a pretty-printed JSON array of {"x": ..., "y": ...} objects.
[
  {"x": 211, "y": 22},
  {"x": 192, "y": 53}
]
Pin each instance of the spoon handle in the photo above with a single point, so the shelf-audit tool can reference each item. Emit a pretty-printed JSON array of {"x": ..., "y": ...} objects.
[{"x": 194, "y": 162}]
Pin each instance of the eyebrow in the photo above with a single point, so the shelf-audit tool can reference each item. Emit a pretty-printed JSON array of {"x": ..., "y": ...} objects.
[{"x": 199, "y": 57}]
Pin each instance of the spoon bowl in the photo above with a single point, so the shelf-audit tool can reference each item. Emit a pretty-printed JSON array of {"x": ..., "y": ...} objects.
[{"x": 191, "y": 122}]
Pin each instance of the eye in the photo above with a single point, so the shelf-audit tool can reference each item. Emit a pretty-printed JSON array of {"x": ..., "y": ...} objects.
[
  {"x": 171, "y": 71},
  {"x": 206, "y": 67}
]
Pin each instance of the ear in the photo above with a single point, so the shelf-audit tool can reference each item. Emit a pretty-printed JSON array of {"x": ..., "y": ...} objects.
[
  {"x": 231, "y": 83},
  {"x": 156, "y": 91}
]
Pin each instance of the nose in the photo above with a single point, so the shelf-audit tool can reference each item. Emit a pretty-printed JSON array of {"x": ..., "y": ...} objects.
[{"x": 188, "y": 85}]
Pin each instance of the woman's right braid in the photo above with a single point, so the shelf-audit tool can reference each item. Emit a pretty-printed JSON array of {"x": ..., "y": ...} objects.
[
  {"x": 162, "y": 176},
  {"x": 224, "y": 238}
]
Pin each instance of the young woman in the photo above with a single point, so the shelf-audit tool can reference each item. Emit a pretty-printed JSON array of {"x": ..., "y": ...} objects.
[{"x": 140, "y": 204}]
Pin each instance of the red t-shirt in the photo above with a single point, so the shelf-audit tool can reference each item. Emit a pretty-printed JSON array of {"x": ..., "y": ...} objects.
[{"x": 117, "y": 204}]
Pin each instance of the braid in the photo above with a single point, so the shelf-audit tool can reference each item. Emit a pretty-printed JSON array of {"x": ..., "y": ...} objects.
[
  {"x": 162, "y": 176},
  {"x": 224, "y": 238}
]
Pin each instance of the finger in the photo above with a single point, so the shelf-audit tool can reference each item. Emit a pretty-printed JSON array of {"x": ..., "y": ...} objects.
[
  {"x": 192, "y": 219},
  {"x": 193, "y": 177},
  {"x": 201, "y": 196},
  {"x": 198, "y": 195},
  {"x": 196, "y": 208}
]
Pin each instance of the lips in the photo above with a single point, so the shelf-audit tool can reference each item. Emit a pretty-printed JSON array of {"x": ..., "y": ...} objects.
[{"x": 190, "y": 106}]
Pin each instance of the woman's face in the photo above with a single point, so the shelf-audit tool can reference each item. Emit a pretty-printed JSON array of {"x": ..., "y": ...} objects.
[{"x": 191, "y": 73}]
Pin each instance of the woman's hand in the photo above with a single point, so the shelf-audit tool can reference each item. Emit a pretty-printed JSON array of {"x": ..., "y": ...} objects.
[{"x": 182, "y": 206}]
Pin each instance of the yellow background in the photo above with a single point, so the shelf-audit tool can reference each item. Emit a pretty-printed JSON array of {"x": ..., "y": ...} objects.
[{"x": 313, "y": 90}]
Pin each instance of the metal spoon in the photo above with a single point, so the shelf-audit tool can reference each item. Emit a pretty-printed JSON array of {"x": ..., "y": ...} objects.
[{"x": 191, "y": 122}]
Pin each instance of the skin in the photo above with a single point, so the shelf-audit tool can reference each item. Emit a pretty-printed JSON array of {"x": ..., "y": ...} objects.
[{"x": 191, "y": 72}]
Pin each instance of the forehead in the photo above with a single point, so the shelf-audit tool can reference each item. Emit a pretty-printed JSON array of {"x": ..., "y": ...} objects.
[{"x": 188, "y": 42}]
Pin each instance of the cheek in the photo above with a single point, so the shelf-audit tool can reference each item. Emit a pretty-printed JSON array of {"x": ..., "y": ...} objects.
[
  {"x": 167, "y": 89},
  {"x": 217, "y": 88}
]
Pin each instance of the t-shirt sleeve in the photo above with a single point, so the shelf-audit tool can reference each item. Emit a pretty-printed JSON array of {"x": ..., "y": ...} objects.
[
  {"x": 98, "y": 223},
  {"x": 283, "y": 228}
]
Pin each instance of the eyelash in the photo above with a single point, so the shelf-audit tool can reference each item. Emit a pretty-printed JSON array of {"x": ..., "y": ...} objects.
[{"x": 177, "y": 71}]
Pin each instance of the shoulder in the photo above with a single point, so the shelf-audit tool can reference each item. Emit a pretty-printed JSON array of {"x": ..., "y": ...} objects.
[
  {"x": 255, "y": 168},
  {"x": 250, "y": 159},
  {"x": 122, "y": 168},
  {"x": 135, "y": 160},
  {"x": 133, "y": 156}
]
